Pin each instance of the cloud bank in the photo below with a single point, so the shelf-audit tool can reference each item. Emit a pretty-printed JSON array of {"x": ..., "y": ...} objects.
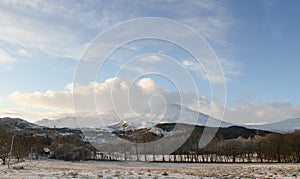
[
  {"x": 128, "y": 99},
  {"x": 113, "y": 95}
]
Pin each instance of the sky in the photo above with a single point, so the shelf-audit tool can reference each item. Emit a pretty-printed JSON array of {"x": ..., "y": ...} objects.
[{"x": 42, "y": 45}]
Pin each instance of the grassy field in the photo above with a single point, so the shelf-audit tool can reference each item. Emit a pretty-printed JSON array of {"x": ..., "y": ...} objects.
[{"x": 92, "y": 169}]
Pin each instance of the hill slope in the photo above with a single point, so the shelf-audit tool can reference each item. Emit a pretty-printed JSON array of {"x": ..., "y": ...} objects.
[
  {"x": 288, "y": 125},
  {"x": 22, "y": 127}
]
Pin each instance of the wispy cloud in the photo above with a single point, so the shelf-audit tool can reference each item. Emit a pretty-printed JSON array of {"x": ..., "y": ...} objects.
[
  {"x": 57, "y": 25},
  {"x": 151, "y": 58},
  {"x": 24, "y": 53},
  {"x": 24, "y": 113},
  {"x": 229, "y": 68},
  {"x": 5, "y": 57},
  {"x": 40, "y": 36},
  {"x": 64, "y": 28}
]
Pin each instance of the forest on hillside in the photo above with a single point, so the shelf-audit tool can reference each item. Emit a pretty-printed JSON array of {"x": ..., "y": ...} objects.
[{"x": 65, "y": 147}]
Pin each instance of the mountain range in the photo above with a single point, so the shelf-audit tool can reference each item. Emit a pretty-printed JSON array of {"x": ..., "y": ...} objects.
[
  {"x": 105, "y": 139},
  {"x": 174, "y": 114}
]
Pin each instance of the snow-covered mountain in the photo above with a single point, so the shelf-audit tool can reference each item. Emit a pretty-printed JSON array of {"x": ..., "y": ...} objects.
[
  {"x": 121, "y": 126},
  {"x": 59, "y": 123},
  {"x": 174, "y": 114},
  {"x": 288, "y": 125},
  {"x": 181, "y": 114}
]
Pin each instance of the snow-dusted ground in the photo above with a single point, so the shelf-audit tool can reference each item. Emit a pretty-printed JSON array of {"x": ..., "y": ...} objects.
[{"x": 93, "y": 169}]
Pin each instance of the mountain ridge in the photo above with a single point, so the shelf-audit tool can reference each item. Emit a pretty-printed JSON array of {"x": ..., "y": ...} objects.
[
  {"x": 188, "y": 116},
  {"x": 284, "y": 126},
  {"x": 22, "y": 127}
]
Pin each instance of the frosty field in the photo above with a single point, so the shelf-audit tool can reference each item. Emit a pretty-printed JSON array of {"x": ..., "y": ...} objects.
[{"x": 93, "y": 169}]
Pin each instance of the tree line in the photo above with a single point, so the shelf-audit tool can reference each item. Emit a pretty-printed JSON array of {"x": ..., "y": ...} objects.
[{"x": 271, "y": 147}]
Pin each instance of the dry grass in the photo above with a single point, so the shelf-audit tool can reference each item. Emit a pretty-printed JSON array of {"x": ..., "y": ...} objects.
[{"x": 61, "y": 169}]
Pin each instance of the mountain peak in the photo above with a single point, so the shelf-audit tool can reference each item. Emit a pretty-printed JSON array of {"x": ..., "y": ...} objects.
[{"x": 120, "y": 126}]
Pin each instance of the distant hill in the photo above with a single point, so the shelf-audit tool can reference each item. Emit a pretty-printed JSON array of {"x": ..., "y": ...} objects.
[
  {"x": 232, "y": 132},
  {"x": 22, "y": 127},
  {"x": 69, "y": 122},
  {"x": 166, "y": 129},
  {"x": 16, "y": 124},
  {"x": 288, "y": 125},
  {"x": 228, "y": 144}
]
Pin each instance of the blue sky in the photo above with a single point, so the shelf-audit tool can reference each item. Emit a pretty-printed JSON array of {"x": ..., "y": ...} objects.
[
  {"x": 266, "y": 42},
  {"x": 257, "y": 43}
]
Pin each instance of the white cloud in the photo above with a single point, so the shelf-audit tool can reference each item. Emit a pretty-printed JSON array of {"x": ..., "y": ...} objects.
[
  {"x": 63, "y": 28},
  {"x": 211, "y": 71},
  {"x": 191, "y": 65},
  {"x": 188, "y": 63},
  {"x": 58, "y": 28},
  {"x": 32, "y": 116},
  {"x": 113, "y": 95},
  {"x": 48, "y": 100},
  {"x": 258, "y": 113},
  {"x": 229, "y": 68},
  {"x": 210, "y": 18},
  {"x": 37, "y": 35},
  {"x": 148, "y": 84},
  {"x": 24, "y": 53},
  {"x": 80, "y": 12},
  {"x": 5, "y": 57},
  {"x": 50, "y": 21},
  {"x": 151, "y": 58}
]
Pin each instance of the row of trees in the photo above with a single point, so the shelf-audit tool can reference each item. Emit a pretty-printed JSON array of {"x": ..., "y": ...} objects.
[{"x": 272, "y": 147}]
